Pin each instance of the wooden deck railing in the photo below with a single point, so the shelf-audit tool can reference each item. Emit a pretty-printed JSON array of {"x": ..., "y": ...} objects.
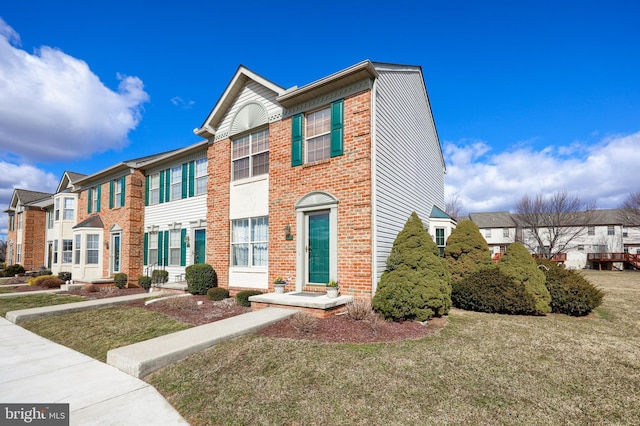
[{"x": 633, "y": 259}]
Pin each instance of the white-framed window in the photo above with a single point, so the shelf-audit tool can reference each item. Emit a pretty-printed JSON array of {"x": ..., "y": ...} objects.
[
  {"x": 153, "y": 249},
  {"x": 505, "y": 232},
  {"x": 69, "y": 208},
  {"x": 318, "y": 135},
  {"x": 625, "y": 231},
  {"x": 580, "y": 247},
  {"x": 174, "y": 247},
  {"x": 93, "y": 241},
  {"x": 49, "y": 219},
  {"x": 19, "y": 254},
  {"x": 487, "y": 233},
  {"x": 117, "y": 193},
  {"x": 249, "y": 242},
  {"x": 154, "y": 188},
  {"x": 55, "y": 251},
  {"x": 67, "y": 251},
  {"x": 201, "y": 176},
  {"x": 591, "y": 230},
  {"x": 250, "y": 155},
  {"x": 176, "y": 183},
  {"x": 611, "y": 230},
  {"x": 57, "y": 209},
  {"x": 19, "y": 220},
  {"x": 440, "y": 240},
  {"x": 77, "y": 248}
]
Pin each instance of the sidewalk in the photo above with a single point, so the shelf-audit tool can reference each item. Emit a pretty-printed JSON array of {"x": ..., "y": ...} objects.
[{"x": 36, "y": 370}]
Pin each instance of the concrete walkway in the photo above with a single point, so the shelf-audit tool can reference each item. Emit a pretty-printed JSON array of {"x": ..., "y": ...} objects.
[
  {"x": 23, "y": 315},
  {"x": 143, "y": 358},
  {"x": 36, "y": 370}
]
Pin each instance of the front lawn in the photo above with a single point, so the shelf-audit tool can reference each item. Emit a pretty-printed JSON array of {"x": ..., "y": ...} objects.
[
  {"x": 481, "y": 369},
  {"x": 96, "y": 331}
]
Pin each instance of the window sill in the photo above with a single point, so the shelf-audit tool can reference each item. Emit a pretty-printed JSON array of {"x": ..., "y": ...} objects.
[
  {"x": 316, "y": 163},
  {"x": 248, "y": 180}
]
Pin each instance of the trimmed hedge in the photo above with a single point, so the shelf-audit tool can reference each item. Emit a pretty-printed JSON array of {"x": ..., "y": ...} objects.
[
  {"x": 13, "y": 270},
  {"x": 65, "y": 276},
  {"x": 490, "y": 290},
  {"x": 159, "y": 276},
  {"x": 120, "y": 280},
  {"x": 571, "y": 293},
  {"x": 466, "y": 251},
  {"x": 144, "y": 282},
  {"x": 416, "y": 284},
  {"x": 200, "y": 278},
  {"x": 217, "y": 293},
  {"x": 242, "y": 298},
  {"x": 51, "y": 282},
  {"x": 518, "y": 264}
]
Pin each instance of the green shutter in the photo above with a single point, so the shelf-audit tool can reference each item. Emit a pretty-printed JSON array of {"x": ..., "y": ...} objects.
[
  {"x": 99, "y": 196},
  {"x": 160, "y": 251},
  {"x": 146, "y": 190},
  {"x": 165, "y": 255},
  {"x": 167, "y": 186},
  {"x": 185, "y": 177},
  {"x": 337, "y": 128},
  {"x": 192, "y": 172},
  {"x": 111, "y": 189},
  {"x": 90, "y": 201},
  {"x": 296, "y": 140},
  {"x": 183, "y": 247},
  {"x": 161, "y": 190},
  {"x": 145, "y": 250},
  {"x": 122, "y": 197}
]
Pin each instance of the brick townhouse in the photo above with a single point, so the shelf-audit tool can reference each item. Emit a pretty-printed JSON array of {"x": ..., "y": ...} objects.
[{"x": 310, "y": 183}]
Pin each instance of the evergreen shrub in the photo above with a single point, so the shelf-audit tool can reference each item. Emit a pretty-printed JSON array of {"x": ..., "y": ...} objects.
[
  {"x": 217, "y": 293},
  {"x": 65, "y": 276},
  {"x": 466, "y": 250},
  {"x": 120, "y": 280},
  {"x": 144, "y": 282},
  {"x": 44, "y": 271},
  {"x": 13, "y": 270},
  {"x": 159, "y": 276},
  {"x": 200, "y": 278},
  {"x": 242, "y": 298},
  {"x": 416, "y": 283},
  {"x": 518, "y": 264},
  {"x": 571, "y": 293},
  {"x": 490, "y": 290}
]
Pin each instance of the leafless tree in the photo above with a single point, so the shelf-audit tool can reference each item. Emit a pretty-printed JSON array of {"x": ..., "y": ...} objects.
[
  {"x": 453, "y": 206},
  {"x": 3, "y": 250},
  {"x": 630, "y": 210},
  {"x": 552, "y": 224}
]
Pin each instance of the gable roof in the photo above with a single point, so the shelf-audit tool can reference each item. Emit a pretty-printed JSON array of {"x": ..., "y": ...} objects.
[
  {"x": 437, "y": 213},
  {"x": 69, "y": 178},
  {"x": 242, "y": 75},
  {"x": 90, "y": 222},
  {"x": 493, "y": 220},
  {"x": 27, "y": 197}
]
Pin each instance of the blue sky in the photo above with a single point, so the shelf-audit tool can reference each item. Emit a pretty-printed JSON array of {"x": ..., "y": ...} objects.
[{"x": 527, "y": 97}]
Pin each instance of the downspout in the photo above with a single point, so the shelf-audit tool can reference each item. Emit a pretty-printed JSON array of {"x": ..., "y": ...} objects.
[{"x": 374, "y": 206}]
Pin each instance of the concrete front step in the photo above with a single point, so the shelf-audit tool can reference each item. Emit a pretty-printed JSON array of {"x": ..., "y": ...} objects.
[
  {"x": 23, "y": 315},
  {"x": 143, "y": 358}
]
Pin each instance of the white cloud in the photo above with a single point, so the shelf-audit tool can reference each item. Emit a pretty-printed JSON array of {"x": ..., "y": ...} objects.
[
  {"x": 24, "y": 177},
  {"x": 486, "y": 181},
  {"x": 179, "y": 102},
  {"x": 52, "y": 107}
]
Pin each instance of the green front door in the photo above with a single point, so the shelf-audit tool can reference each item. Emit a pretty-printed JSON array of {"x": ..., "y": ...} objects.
[
  {"x": 318, "y": 248},
  {"x": 200, "y": 245}
]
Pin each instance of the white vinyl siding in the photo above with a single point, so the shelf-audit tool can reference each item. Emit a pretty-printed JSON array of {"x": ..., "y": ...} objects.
[{"x": 408, "y": 166}]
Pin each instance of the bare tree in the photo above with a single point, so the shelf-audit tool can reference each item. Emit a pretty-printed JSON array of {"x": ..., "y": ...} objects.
[
  {"x": 3, "y": 250},
  {"x": 552, "y": 224},
  {"x": 630, "y": 210},
  {"x": 453, "y": 206}
]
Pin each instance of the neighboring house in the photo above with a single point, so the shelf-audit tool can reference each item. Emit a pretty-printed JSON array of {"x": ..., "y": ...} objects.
[
  {"x": 440, "y": 227},
  {"x": 311, "y": 183},
  {"x": 62, "y": 216},
  {"x": 27, "y": 225},
  {"x": 597, "y": 237},
  {"x": 314, "y": 183}
]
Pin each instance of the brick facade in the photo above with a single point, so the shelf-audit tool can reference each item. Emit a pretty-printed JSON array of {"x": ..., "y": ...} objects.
[{"x": 34, "y": 222}]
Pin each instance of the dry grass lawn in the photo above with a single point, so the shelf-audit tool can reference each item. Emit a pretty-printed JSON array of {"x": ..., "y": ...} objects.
[{"x": 482, "y": 369}]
